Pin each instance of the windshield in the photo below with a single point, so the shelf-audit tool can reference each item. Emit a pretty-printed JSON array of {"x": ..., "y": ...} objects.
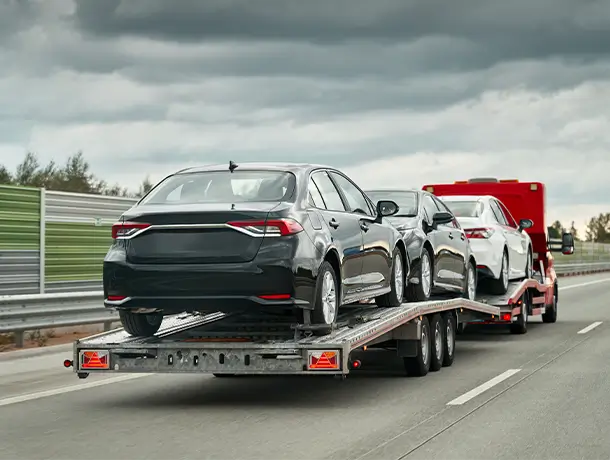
[
  {"x": 224, "y": 187},
  {"x": 406, "y": 201},
  {"x": 464, "y": 208}
]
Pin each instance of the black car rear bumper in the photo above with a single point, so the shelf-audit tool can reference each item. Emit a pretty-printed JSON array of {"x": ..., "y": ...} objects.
[{"x": 228, "y": 288}]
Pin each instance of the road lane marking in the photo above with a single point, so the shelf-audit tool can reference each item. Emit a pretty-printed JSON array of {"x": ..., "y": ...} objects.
[
  {"x": 482, "y": 388},
  {"x": 588, "y": 283},
  {"x": 70, "y": 389},
  {"x": 590, "y": 327}
]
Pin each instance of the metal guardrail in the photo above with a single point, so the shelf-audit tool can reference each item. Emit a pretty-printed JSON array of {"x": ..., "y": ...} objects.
[{"x": 21, "y": 313}]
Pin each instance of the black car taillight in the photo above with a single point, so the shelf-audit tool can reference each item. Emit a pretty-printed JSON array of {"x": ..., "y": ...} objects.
[
  {"x": 279, "y": 227},
  {"x": 123, "y": 230}
]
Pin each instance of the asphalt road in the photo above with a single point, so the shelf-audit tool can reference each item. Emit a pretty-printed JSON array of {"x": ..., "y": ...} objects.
[{"x": 551, "y": 400}]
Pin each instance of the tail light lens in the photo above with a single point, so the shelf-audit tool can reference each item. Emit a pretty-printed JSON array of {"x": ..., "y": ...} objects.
[
  {"x": 280, "y": 227},
  {"x": 122, "y": 230},
  {"x": 479, "y": 233}
]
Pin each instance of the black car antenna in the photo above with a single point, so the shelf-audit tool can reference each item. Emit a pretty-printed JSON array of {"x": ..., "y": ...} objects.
[{"x": 232, "y": 166}]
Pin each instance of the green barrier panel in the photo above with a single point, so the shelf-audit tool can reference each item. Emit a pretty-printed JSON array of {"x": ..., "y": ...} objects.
[
  {"x": 75, "y": 251},
  {"x": 19, "y": 218}
]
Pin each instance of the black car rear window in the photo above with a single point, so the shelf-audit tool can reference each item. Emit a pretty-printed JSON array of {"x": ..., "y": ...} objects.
[
  {"x": 464, "y": 208},
  {"x": 224, "y": 187},
  {"x": 407, "y": 201}
]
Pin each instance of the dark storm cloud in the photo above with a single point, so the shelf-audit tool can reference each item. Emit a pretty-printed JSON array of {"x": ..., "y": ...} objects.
[{"x": 507, "y": 29}]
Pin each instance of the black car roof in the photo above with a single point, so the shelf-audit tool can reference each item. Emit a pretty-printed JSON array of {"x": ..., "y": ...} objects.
[{"x": 291, "y": 167}]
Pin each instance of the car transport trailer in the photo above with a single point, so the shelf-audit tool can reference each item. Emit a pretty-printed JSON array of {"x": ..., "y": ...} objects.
[{"x": 422, "y": 333}]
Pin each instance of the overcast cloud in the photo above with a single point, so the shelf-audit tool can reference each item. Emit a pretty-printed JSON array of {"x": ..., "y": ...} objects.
[{"x": 395, "y": 92}]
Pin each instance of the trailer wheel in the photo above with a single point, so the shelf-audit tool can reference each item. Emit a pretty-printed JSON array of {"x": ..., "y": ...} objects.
[
  {"x": 550, "y": 315},
  {"x": 140, "y": 324},
  {"x": 396, "y": 295},
  {"x": 419, "y": 365},
  {"x": 520, "y": 326},
  {"x": 450, "y": 331},
  {"x": 438, "y": 343}
]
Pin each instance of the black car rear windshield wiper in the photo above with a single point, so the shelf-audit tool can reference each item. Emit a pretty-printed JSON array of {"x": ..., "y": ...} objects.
[{"x": 404, "y": 215}]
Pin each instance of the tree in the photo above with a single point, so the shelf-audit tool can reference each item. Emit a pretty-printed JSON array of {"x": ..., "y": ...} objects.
[
  {"x": 145, "y": 187},
  {"x": 598, "y": 229},
  {"x": 555, "y": 230},
  {"x": 574, "y": 232},
  {"x": 74, "y": 176}
]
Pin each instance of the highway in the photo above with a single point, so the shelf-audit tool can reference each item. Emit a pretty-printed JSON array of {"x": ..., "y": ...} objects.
[{"x": 544, "y": 395}]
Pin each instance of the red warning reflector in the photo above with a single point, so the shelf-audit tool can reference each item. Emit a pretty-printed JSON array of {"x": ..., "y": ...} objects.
[
  {"x": 98, "y": 359},
  {"x": 506, "y": 317},
  {"x": 323, "y": 360}
]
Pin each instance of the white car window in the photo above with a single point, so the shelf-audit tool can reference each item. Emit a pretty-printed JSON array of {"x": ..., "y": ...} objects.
[
  {"x": 508, "y": 216},
  {"x": 497, "y": 212}
]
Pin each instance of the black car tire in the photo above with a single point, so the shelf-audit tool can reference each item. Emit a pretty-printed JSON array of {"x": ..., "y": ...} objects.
[
  {"x": 140, "y": 324},
  {"x": 317, "y": 315},
  {"x": 415, "y": 292},
  {"x": 393, "y": 298}
]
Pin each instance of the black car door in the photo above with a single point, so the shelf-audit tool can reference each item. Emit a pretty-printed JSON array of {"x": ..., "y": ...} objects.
[
  {"x": 376, "y": 237},
  {"x": 439, "y": 237},
  {"x": 345, "y": 231},
  {"x": 457, "y": 247}
]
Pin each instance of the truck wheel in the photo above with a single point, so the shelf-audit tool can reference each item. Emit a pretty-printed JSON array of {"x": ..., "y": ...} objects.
[
  {"x": 550, "y": 315},
  {"x": 437, "y": 350},
  {"x": 500, "y": 286},
  {"x": 395, "y": 297},
  {"x": 520, "y": 326},
  {"x": 450, "y": 331},
  {"x": 326, "y": 306},
  {"x": 420, "y": 292},
  {"x": 419, "y": 365},
  {"x": 140, "y": 324}
]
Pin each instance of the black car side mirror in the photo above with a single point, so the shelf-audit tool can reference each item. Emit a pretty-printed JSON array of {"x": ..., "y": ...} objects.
[
  {"x": 442, "y": 218},
  {"x": 386, "y": 208},
  {"x": 525, "y": 223},
  {"x": 567, "y": 244}
]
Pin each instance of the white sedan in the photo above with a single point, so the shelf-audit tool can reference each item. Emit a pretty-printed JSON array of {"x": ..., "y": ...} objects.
[{"x": 501, "y": 246}]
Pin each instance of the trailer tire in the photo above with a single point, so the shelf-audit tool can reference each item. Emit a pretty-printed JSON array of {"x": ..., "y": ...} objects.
[
  {"x": 449, "y": 323},
  {"x": 140, "y": 324},
  {"x": 318, "y": 315},
  {"x": 396, "y": 295},
  {"x": 520, "y": 326},
  {"x": 550, "y": 315},
  {"x": 418, "y": 366},
  {"x": 438, "y": 343}
]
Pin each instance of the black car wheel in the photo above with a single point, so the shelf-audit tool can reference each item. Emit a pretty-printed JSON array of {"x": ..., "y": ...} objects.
[
  {"x": 395, "y": 297},
  {"x": 420, "y": 292},
  {"x": 141, "y": 324},
  {"x": 327, "y": 298}
]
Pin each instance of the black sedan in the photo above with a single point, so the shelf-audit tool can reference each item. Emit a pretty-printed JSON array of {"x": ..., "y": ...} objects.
[
  {"x": 440, "y": 258},
  {"x": 266, "y": 238}
]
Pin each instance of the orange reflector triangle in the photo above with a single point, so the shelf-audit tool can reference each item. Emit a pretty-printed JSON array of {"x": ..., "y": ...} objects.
[
  {"x": 327, "y": 360},
  {"x": 93, "y": 360}
]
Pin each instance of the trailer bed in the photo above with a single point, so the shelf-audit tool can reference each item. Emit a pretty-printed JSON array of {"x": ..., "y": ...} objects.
[{"x": 228, "y": 344}]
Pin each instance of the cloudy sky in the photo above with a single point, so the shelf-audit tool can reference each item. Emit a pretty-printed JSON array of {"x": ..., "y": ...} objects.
[{"x": 395, "y": 92}]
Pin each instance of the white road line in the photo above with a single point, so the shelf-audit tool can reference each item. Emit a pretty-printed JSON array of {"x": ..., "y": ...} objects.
[
  {"x": 588, "y": 283},
  {"x": 483, "y": 388},
  {"x": 59, "y": 391},
  {"x": 590, "y": 327}
]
